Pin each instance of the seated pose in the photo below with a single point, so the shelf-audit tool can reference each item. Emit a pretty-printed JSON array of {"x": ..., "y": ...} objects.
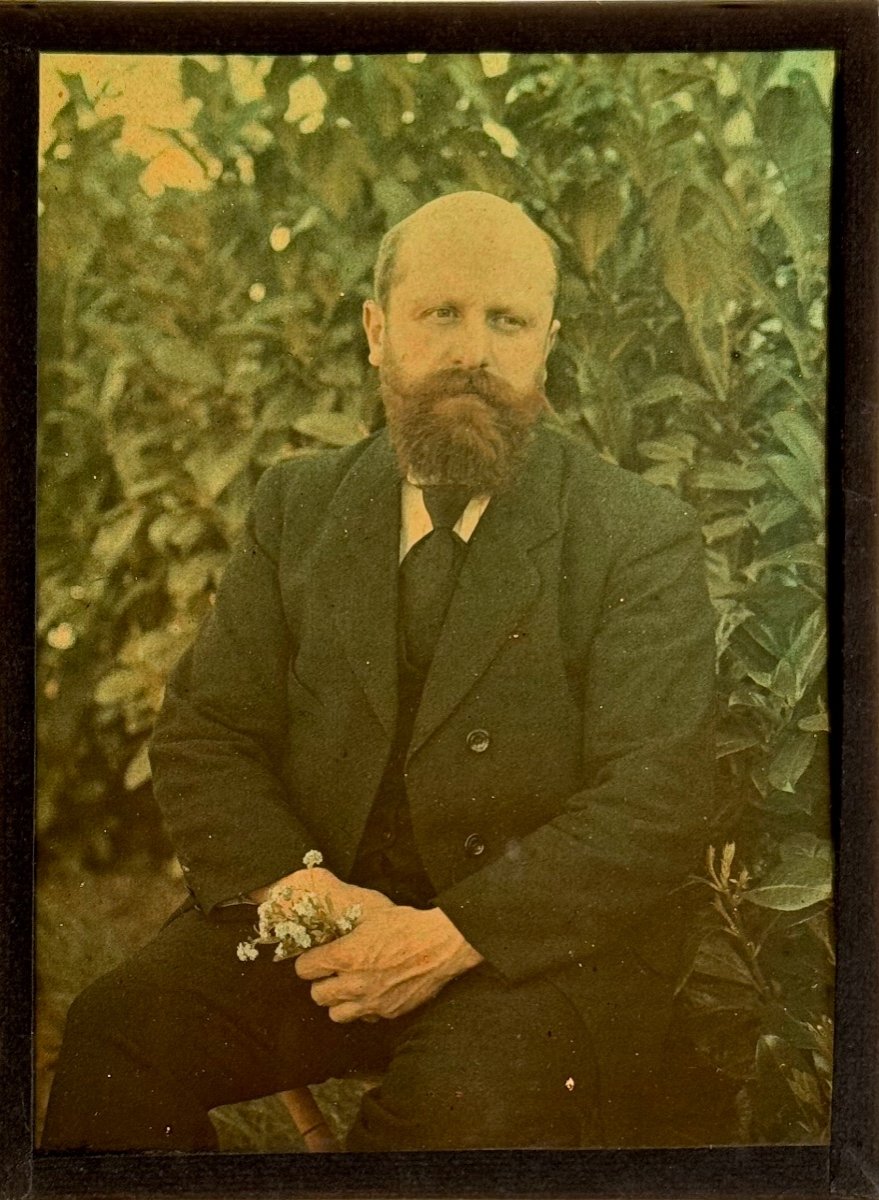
[{"x": 471, "y": 664}]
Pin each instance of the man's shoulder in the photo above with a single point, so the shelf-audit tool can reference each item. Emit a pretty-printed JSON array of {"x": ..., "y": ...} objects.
[
  {"x": 296, "y": 491},
  {"x": 314, "y": 468},
  {"x": 617, "y": 497}
]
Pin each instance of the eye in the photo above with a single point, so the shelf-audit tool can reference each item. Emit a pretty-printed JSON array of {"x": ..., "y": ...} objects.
[
  {"x": 508, "y": 322},
  {"x": 443, "y": 314}
]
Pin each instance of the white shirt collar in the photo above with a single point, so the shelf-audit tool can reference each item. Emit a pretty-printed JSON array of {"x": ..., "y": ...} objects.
[{"x": 415, "y": 522}]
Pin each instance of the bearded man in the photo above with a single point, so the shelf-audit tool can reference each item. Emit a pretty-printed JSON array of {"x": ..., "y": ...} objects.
[{"x": 471, "y": 663}]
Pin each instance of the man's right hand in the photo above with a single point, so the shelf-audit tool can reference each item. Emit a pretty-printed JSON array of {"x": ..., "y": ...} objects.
[{"x": 324, "y": 883}]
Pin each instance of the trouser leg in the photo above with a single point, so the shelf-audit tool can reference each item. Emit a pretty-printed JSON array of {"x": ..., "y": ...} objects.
[
  {"x": 483, "y": 1065},
  {"x": 183, "y": 1027}
]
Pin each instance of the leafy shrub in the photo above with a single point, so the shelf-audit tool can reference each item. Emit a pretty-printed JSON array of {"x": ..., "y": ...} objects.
[{"x": 190, "y": 339}]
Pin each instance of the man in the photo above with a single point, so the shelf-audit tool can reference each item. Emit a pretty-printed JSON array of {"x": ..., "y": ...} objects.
[{"x": 471, "y": 664}]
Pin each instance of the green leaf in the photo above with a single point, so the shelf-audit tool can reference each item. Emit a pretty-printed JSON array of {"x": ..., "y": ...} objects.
[
  {"x": 785, "y": 804},
  {"x": 333, "y": 429},
  {"x": 818, "y": 723},
  {"x": 803, "y": 442},
  {"x": 180, "y": 528},
  {"x": 114, "y": 539},
  {"x": 681, "y": 125},
  {"x": 138, "y": 770},
  {"x": 672, "y": 387},
  {"x": 184, "y": 363},
  {"x": 196, "y": 80},
  {"x": 118, "y": 687},
  {"x": 768, "y": 513},
  {"x": 795, "y": 127},
  {"x": 674, "y": 447},
  {"x": 213, "y": 471},
  {"x": 76, "y": 91},
  {"x": 660, "y": 82},
  {"x": 718, "y": 958},
  {"x": 774, "y": 1060},
  {"x": 806, "y": 845},
  {"x": 193, "y": 576},
  {"x": 721, "y": 996},
  {"x": 808, "y": 651},
  {"x": 796, "y": 476},
  {"x": 665, "y": 474},
  {"x": 723, "y": 476},
  {"x": 784, "y": 683},
  {"x": 597, "y": 220},
  {"x": 735, "y": 743},
  {"x": 804, "y": 554},
  {"x": 397, "y": 201},
  {"x": 791, "y": 760},
  {"x": 723, "y": 527},
  {"x": 796, "y": 883}
]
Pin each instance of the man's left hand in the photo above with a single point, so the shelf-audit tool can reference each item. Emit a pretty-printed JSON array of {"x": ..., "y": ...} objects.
[{"x": 396, "y": 959}]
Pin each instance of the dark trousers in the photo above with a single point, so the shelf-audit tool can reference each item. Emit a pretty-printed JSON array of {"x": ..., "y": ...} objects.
[{"x": 184, "y": 1026}]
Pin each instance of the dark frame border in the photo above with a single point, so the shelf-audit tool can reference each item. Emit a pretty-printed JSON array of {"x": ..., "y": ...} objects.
[{"x": 849, "y": 1167}]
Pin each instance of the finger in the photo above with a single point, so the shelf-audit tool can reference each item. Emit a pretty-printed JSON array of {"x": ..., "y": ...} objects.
[
  {"x": 324, "y": 993},
  {"x": 336, "y": 990},
  {"x": 347, "y": 1011},
  {"x": 315, "y": 964}
]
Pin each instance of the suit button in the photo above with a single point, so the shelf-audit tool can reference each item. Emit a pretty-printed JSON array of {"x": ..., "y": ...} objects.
[
  {"x": 474, "y": 845},
  {"x": 387, "y": 836},
  {"x": 478, "y": 740}
]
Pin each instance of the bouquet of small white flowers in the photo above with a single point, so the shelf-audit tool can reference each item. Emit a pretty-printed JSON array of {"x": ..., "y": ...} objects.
[{"x": 293, "y": 920}]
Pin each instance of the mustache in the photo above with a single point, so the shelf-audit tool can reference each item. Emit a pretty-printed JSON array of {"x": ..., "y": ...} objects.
[{"x": 460, "y": 381}]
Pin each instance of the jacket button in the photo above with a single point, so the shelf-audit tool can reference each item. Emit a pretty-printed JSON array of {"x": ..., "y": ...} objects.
[
  {"x": 474, "y": 845},
  {"x": 478, "y": 740}
]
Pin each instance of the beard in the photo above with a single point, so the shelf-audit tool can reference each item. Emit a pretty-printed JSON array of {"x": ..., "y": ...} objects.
[{"x": 462, "y": 427}]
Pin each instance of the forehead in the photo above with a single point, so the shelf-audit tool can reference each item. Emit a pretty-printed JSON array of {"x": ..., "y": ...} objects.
[{"x": 498, "y": 265}]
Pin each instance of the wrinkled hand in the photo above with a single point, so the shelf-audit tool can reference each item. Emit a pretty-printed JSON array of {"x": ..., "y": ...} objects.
[
  {"x": 324, "y": 883},
  {"x": 396, "y": 959}
]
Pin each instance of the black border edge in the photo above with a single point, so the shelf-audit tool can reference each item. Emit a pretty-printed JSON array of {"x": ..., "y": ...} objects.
[
  {"x": 774, "y": 1171},
  {"x": 374, "y": 26},
  {"x": 19, "y": 115},
  {"x": 850, "y": 1166},
  {"x": 852, "y": 456}
]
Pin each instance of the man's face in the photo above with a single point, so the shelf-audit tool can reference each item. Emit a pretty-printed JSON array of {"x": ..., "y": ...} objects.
[{"x": 462, "y": 345}]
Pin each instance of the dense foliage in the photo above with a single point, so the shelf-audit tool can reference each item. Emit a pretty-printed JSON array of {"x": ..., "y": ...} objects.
[{"x": 191, "y": 338}]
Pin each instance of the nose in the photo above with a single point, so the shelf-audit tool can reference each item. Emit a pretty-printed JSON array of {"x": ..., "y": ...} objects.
[{"x": 470, "y": 346}]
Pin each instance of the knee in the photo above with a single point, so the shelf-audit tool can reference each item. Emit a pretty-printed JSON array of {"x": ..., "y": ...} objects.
[
  {"x": 488, "y": 1066},
  {"x": 460, "y": 1118}
]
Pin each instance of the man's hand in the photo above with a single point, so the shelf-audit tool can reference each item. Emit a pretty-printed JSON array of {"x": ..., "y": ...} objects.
[
  {"x": 394, "y": 960},
  {"x": 324, "y": 883}
]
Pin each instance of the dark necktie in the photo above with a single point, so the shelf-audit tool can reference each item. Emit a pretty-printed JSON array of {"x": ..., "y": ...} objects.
[{"x": 429, "y": 572}]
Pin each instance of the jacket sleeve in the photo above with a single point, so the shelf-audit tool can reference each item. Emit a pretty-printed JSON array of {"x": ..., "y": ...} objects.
[
  {"x": 218, "y": 745},
  {"x": 622, "y": 844}
]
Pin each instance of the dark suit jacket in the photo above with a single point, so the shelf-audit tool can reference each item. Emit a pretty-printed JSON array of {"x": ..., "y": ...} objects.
[{"x": 579, "y": 646}]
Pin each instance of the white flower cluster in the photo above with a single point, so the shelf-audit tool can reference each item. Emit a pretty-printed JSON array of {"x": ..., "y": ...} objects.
[{"x": 293, "y": 920}]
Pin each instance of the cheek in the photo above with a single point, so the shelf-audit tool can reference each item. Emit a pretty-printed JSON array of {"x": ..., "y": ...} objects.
[
  {"x": 522, "y": 364},
  {"x": 411, "y": 351}
]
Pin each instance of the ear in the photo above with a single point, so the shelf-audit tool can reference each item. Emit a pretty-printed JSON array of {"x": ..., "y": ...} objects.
[{"x": 374, "y": 326}]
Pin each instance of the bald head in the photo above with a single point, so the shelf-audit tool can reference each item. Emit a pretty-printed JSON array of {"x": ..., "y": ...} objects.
[{"x": 459, "y": 225}]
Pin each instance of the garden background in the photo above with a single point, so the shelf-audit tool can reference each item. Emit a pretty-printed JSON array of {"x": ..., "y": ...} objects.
[{"x": 207, "y": 232}]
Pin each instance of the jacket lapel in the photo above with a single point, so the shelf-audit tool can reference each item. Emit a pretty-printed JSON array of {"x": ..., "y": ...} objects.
[
  {"x": 498, "y": 584},
  {"x": 357, "y": 569}
]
